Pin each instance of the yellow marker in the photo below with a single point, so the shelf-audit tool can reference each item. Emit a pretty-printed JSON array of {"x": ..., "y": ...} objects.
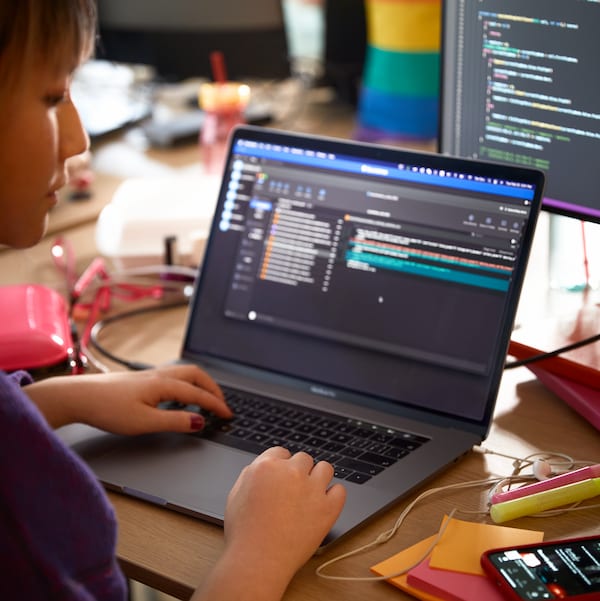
[{"x": 547, "y": 499}]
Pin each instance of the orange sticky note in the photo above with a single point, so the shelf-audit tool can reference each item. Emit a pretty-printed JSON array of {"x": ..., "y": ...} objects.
[
  {"x": 462, "y": 544},
  {"x": 401, "y": 561}
]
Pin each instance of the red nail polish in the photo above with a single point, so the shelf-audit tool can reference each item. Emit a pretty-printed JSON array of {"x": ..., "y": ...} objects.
[{"x": 196, "y": 422}]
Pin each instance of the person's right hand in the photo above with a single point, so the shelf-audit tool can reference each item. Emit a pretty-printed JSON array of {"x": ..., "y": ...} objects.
[{"x": 278, "y": 513}]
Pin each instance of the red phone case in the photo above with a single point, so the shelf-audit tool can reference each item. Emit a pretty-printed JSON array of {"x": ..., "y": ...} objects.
[{"x": 504, "y": 587}]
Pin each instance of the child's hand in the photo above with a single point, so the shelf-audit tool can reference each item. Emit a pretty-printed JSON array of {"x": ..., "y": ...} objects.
[
  {"x": 126, "y": 402},
  {"x": 278, "y": 513}
]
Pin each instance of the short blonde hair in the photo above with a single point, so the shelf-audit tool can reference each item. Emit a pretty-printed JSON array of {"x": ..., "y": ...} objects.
[{"x": 47, "y": 32}]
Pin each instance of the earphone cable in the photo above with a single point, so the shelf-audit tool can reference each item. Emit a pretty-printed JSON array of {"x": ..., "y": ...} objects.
[{"x": 496, "y": 482}]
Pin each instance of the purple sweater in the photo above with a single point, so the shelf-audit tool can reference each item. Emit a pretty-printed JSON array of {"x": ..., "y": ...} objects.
[{"x": 57, "y": 529}]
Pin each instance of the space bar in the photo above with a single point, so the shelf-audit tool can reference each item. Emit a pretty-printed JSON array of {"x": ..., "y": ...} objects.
[{"x": 237, "y": 443}]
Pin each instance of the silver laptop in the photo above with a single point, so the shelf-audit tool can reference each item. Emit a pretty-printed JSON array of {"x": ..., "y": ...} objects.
[{"x": 356, "y": 302}]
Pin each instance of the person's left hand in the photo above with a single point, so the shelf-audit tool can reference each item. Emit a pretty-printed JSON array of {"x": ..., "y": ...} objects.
[{"x": 126, "y": 402}]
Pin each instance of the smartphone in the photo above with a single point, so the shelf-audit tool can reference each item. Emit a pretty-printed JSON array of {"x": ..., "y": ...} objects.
[{"x": 564, "y": 569}]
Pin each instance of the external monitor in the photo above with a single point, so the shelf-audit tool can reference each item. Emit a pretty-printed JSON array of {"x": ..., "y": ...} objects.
[
  {"x": 177, "y": 37},
  {"x": 521, "y": 85}
]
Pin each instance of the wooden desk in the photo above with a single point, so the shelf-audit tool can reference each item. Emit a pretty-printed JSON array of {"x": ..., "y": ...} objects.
[{"x": 173, "y": 553}]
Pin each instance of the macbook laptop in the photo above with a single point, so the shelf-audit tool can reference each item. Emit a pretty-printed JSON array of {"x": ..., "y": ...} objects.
[{"x": 355, "y": 301}]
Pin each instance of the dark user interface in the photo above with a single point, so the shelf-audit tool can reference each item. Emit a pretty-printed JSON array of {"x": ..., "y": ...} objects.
[
  {"x": 362, "y": 273},
  {"x": 552, "y": 572},
  {"x": 321, "y": 254}
]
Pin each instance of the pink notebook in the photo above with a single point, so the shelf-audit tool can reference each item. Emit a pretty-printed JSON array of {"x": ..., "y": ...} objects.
[
  {"x": 452, "y": 586},
  {"x": 582, "y": 398}
]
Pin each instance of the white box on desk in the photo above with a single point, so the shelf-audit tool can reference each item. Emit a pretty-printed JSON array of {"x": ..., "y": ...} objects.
[{"x": 133, "y": 228}]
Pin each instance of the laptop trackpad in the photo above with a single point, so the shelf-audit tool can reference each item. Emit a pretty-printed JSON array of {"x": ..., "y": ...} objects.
[{"x": 184, "y": 471}]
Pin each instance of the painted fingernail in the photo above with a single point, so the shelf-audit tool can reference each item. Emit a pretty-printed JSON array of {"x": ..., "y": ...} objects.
[{"x": 196, "y": 422}]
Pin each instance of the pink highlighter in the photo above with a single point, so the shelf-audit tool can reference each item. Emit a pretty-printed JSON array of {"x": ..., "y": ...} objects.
[{"x": 584, "y": 473}]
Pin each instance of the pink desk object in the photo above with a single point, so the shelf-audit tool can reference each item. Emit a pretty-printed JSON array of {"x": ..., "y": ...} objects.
[
  {"x": 580, "y": 397},
  {"x": 452, "y": 586},
  {"x": 584, "y": 473}
]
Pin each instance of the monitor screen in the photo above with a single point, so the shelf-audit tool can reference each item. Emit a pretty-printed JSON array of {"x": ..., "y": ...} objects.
[
  {"x": 363, "y": 268},
  {"x": 521, "y": 85},
  {"x": 177, "y": 37}
]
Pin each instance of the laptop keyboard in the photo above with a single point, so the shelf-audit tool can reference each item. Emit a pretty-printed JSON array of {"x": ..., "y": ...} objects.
[{"x": 357, "y": 450}]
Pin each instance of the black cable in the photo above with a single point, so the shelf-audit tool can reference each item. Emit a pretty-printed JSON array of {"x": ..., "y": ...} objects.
[
  {"x": 554, "y": 353},
  {"x": 101, "y": 324},
  {"x": 137, "y": 366}
]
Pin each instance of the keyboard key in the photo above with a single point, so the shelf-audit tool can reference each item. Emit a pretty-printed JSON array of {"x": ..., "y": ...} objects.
[
  {"x": 361, "y": 443},
  {"x": 358, "y": 478},
  {"x": 363, "y": 432},
  {"x": 341, "y": 472},
  {"x": 258, "y": 437},
  {"x": 328, "y": 424},
  {"x": 377, "y": 448},
  {"x": 403, "y": 443},
  {"x": 382, "y": 437},
  {"x": 240, "y": 432},
  {"x": 260, "y": 427},
  {"x": 345, "y": 427},
  {"x": 397, "y": 453},
  {"x": 252, "y": 414},
  {"x": 307, "y": 418},
  {"x": 413, "y": 437},
  {"x": 360, "y": 466},
  {"x": 271, "y": 418},
  {"x": 352, "y": 451},
  {"x": 295, "y": 414},
  {"x": 329, "y": 457},
  {"x": 313, "y": 441},
  {"x": 280, "y": 433},
  {"x": 341, "y": 437},
  {"x": 380, "y": 460},
  {"x": 294, "y": 447},
  {"x": 335, "y": 447},
  {"x": 306, "y": 428},
  {"x": 277, "y": 442}
]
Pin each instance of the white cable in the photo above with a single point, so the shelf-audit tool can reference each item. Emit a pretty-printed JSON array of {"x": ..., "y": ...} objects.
[
  {"x": 516, "y": 477},
  {"x": 388, "y": 534}
]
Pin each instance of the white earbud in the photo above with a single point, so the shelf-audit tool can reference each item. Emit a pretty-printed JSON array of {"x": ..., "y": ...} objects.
[{"x": 541, "y": 469}]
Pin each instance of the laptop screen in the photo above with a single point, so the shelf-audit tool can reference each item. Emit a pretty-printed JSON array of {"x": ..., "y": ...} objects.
[{"x": 365, "y": 269}]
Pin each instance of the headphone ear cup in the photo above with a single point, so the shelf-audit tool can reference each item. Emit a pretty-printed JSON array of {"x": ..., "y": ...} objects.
[{"x": 541, "y": 469}]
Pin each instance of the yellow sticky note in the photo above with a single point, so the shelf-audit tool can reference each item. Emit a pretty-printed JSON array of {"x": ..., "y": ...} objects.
[
  {"x": 401, "y": 561},
  {"x": 462, "y": 544}
]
